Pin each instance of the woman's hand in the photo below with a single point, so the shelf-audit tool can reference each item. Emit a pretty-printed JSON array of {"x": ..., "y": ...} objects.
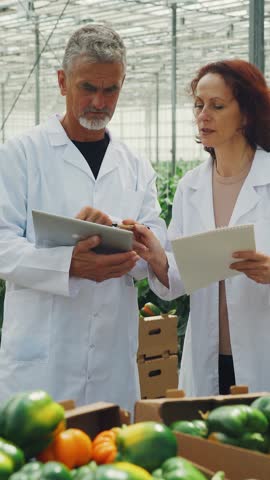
[
  {"x": 90, "y": 214},
  {"x": 255, "y": 265},
  {"x": 148, "y": 247}
]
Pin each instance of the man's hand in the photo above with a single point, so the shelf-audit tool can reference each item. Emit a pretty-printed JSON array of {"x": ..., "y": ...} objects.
[
  {"x": 90, "y": 214},
  {"x": 255, "y": 265},
  {"x": 98, "y": 267}
]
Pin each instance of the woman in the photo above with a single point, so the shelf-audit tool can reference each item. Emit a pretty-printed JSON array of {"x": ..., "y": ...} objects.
[{"x": 228, "y": 333}]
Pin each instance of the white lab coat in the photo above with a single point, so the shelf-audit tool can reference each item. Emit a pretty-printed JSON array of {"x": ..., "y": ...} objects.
[
  {"x": 248, "y": 302},
  {"x": 74, "y": 338}
]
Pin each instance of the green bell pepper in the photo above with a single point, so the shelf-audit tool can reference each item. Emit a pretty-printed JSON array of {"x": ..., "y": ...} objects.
[
  {"x": 86, "y": 472},
  {"x": 178, "y": 468},
  {"x": 14, "y": 452},
  {"x": 235, "y": 420},
  {"x": 11, "y": 459},
  {"x": 263, "y": 404},
  {"x": 255, "y": 441},
  {"x": 220, "y": 437},
  {"x": 251, "y": 441},
  {"x": 30, "y": 471},
  {"x": 114, "y": 471},
  {"x": 197, "y": 428},
  {"x": 42, "y": 471},
  {"x": 6, "y": 466},
  {"x": 122, "y": 471},
  {"x": 30, "y": 420},
  {"x": 218, "y": 476},
  {"x": 150, "y": 310},
  {"x": 146, "y": 444},
  {"x": 55, "y": 471}
]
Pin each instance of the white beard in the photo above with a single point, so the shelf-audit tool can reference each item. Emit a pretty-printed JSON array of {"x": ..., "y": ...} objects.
[{"x": 95, "y": 123}]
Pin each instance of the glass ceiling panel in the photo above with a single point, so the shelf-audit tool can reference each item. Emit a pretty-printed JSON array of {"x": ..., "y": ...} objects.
[{"x": 207, "y": 30}]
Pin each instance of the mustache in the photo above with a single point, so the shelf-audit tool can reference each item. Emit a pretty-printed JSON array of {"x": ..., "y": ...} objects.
[{"x": 96, "y": 110}]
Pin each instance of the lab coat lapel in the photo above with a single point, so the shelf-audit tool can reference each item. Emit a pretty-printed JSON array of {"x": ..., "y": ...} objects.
[
  {"x": 70, "y": 154},
  {"x": 201, "y": 196},
  {"x": 111, "y": 159},
  {"x": 248, "y": 198},
  {"x": 73, "y": 155}
]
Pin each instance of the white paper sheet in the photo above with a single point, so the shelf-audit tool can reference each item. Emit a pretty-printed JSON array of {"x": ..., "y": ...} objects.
[{"x": 205, "y": 257}]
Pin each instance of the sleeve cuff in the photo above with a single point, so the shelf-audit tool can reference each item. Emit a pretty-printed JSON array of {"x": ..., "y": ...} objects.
[{"x": 176, "y": 287}]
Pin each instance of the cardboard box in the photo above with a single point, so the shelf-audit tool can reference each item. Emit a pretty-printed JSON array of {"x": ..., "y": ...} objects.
[
  {"x": 168, "y": 410},
  {"x": 96, "y": 417},
  {"x": 157, "y": 336},
  {"x": 157, "y": 375},
  {"x": 237, "y": 463}
]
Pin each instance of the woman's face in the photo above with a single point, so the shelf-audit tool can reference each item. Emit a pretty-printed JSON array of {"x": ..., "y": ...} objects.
[{"x": 219, "y": 119}]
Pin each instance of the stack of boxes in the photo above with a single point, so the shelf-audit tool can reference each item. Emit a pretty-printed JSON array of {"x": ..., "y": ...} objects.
[{"x": 157, "y": 355}]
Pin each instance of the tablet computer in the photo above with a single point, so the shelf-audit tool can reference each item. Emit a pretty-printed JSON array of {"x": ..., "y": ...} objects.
[{"x": 56, "y": 230}]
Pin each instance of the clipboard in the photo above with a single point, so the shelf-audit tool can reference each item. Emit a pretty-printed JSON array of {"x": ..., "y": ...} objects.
[{"x": 55, "y": 231}]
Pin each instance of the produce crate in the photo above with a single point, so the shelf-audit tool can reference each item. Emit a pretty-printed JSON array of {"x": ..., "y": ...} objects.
[
  {"x": 157, "y": 355},
  {"x": 96, "y": 417},
  {"x": 237, "y": 463},
  {"x": 157, "y": 336},
  {"x": 157, "y": 375},
  {"x": 168, "y": 410}
]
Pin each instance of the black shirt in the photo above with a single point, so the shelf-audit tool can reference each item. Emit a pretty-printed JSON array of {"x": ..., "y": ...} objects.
[{"x": 93, "y": 152}]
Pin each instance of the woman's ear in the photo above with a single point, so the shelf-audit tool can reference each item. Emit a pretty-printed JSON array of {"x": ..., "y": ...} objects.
[{"x": 62, "y": 82}]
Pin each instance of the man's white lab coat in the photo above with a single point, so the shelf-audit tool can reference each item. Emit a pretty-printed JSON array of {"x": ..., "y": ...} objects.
[{"x": 74, "y": 338}]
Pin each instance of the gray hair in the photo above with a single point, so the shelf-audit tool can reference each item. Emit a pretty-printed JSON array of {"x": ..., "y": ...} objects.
[{"x": 97, "y": 43}]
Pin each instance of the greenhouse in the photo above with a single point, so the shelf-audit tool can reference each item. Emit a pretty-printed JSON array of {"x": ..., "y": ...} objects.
[
  {"x": 134, "y": 239},
  {"x": 166, "y": 43}
]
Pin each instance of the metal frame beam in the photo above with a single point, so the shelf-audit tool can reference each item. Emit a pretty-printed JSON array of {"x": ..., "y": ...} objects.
[{"x": 256, "y": 33}]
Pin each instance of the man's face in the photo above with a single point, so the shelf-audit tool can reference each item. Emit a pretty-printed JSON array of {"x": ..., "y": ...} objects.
[{"x": 92, "y": 91}]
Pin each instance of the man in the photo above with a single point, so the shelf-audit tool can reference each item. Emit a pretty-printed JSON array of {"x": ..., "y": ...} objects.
[{"x": 71, "y": 317}]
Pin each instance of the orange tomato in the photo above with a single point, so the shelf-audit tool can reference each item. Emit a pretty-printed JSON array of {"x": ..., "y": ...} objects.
[
  {"x": 73, "y": 447},
  {"x": 104, "y": 448}
]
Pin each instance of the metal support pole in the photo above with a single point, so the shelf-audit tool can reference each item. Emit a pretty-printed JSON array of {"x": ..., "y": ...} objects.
[
  {"x": 157, "y": 118},
  {"x": 3, "y": 110},
  {"x": 148, "y": 114},
  {"x": 173, "y": 86},
  {"x": 37, "y": 72},
  {"x": 256, "y": 33}
]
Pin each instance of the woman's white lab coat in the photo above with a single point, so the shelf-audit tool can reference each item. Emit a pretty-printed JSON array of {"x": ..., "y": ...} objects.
[
  {"x": 248, "y": 302},
  {"x": 75, "y": 338}
]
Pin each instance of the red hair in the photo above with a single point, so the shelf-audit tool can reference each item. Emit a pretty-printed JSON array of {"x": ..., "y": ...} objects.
[{"x": 250, "y": 89}]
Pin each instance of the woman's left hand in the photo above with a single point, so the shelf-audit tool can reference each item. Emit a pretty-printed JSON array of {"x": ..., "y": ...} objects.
[{"x": 255, "y": 265}]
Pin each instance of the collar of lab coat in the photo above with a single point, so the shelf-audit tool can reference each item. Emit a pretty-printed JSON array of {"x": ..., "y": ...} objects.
[
  {"x": 58, "y": 137},
  {"x": 202, "y": 194}
]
